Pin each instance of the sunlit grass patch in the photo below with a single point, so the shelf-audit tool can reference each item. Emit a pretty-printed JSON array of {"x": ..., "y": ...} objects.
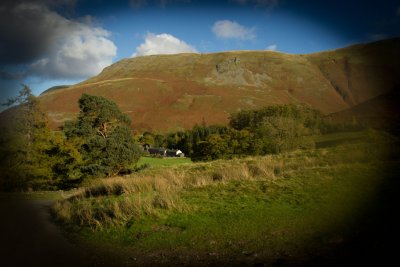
[{"x": 162, "y": 162}]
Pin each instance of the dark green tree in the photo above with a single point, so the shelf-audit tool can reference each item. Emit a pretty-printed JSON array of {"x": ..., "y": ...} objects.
[
  {"x": 159, "y": 140},
  {"x": 103, "y": 137},
  {"x": 216, "y": 146}
]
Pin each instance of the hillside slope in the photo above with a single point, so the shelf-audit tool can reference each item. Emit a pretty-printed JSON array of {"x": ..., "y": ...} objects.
[
  {"x": 382, "y": 112},
  {"x": 171, "y": 92}
]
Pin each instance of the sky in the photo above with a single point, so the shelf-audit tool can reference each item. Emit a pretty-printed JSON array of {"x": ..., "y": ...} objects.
[{"x": 44, "y": 43}]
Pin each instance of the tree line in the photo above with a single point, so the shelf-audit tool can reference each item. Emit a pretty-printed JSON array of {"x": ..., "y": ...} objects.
[
  {"x": 100, "y": 142},
  {"x": 272, "y": 129}
]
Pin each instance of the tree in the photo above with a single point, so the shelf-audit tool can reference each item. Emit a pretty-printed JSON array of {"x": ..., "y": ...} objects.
[
  {"x": 243, "y": 142},
  {"x": 159, "y": 140},
  {"x": 103, "y": 137},
  {"x": 216, "y": 146},
  {"x": 66, "y": 162},
  {"x": 25, "y": 143},
  {"x": 147, "y": 138},
  {"x": 279, "y": 134}
]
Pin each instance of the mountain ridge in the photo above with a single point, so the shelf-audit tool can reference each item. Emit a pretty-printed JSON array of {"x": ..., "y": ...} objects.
[{"x": 172, "y": 92}]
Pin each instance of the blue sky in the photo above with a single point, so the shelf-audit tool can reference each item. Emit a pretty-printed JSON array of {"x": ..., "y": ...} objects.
[{"x": 51, "y": 42}]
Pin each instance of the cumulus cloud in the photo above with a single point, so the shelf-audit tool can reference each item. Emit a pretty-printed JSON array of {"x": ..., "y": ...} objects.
[
  {"x": 82, "y": 52},
  {"x": 272, "y": 47},
  {"x": 52, "y": 46},
  {"x": 227, "y": 29},
  {"x": 164, "y": 43}
]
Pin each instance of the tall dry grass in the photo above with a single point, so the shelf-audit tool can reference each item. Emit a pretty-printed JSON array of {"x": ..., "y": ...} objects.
[{"x": 153, "y": 192}]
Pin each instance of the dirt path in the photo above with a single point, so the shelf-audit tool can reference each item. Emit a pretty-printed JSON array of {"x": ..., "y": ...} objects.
[{"x": 29, "y": 238}]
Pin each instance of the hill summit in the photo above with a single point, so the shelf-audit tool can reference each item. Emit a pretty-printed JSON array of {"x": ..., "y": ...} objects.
[{"x": 171, "y": 92}]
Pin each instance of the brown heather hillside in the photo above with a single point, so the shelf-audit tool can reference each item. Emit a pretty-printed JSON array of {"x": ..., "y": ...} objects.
[{"x": 171, "y": 92}]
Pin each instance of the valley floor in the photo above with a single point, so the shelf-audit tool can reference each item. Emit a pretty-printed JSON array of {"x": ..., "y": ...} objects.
[{"x": 331, "y": 206}]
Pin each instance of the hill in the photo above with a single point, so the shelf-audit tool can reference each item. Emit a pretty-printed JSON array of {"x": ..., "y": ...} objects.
[
  {"x": 54, "y": 88},
  {"x": 382, "y": 111},
  {"x": 172, "y": 92}
]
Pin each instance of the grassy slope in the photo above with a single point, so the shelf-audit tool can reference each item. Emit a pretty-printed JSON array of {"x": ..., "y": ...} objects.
[
  {"x": 380, "y": 112},
  {"x": 186, "y": 88},
  {"x": 289, "y": 208}
]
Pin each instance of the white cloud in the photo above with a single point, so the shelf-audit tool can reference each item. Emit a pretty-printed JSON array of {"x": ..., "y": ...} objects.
[
  {"x": 70, "y": 49},
  {"x": 164, "y": 43},
  {"x": 272, "y": 47},
  {"x": 83, "y": 53},
  {"x": 227, "y": 29}
]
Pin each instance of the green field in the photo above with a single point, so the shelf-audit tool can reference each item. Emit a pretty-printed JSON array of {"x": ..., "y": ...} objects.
[
  {"x": 283, "y": 209},
  {"x": 162, "y": 162}
]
